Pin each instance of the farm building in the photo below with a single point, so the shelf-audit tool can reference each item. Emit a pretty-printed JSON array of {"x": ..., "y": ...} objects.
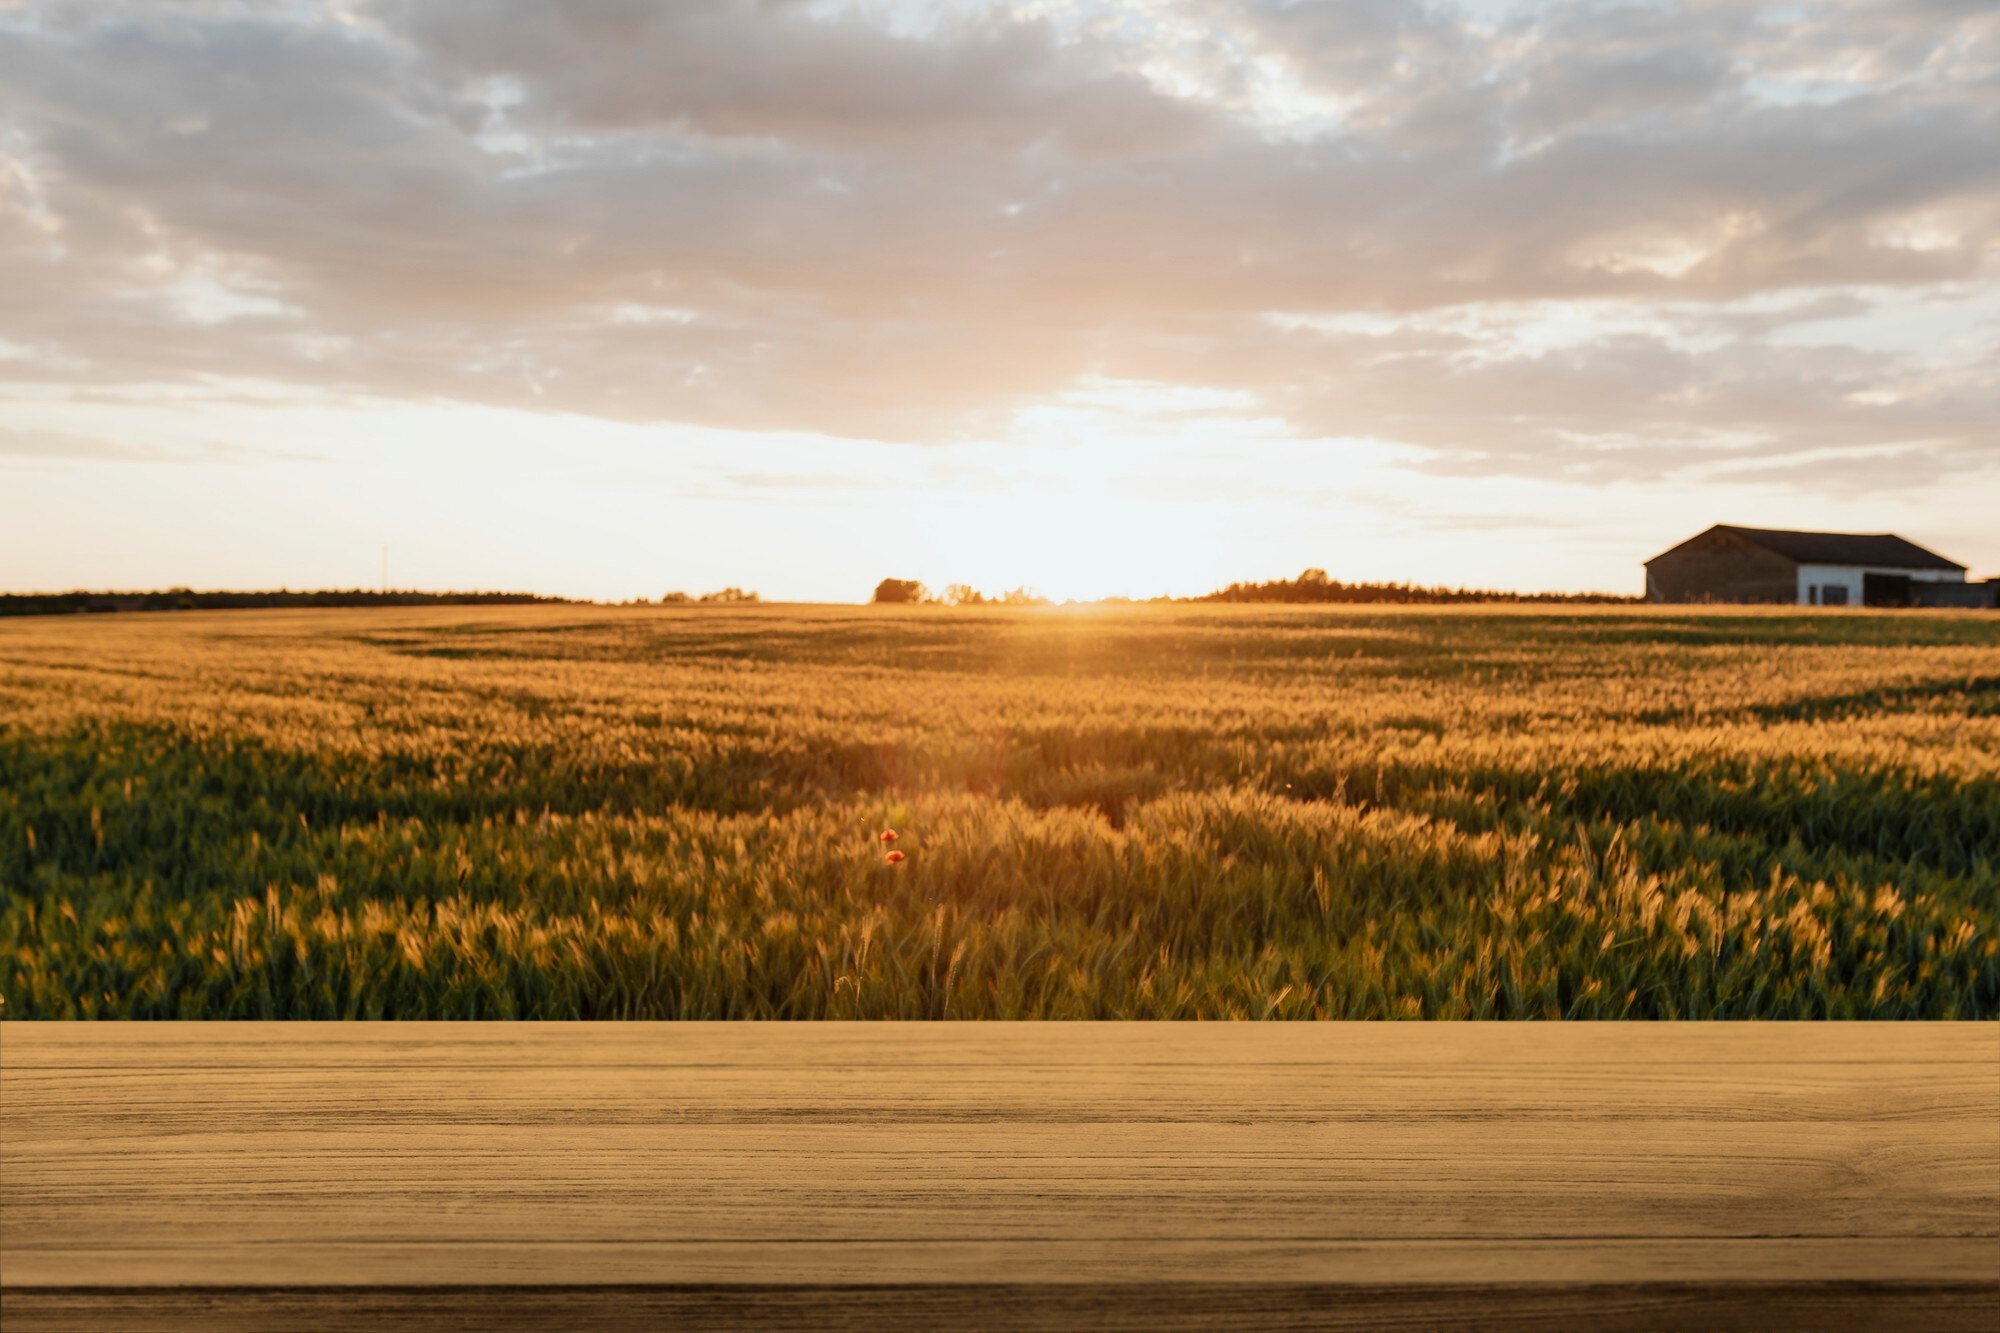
[{"x": 1731, "y": 564}]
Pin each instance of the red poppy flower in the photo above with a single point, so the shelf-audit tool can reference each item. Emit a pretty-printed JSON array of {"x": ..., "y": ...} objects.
[
  {"x": 888, "y": 835},
  {"x": 895, "y": 858}
]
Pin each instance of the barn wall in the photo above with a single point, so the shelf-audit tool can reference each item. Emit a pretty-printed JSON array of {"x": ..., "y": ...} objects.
[
  {"x": 1722, "y": 567},
  {"x": 1851, "y": 578}
]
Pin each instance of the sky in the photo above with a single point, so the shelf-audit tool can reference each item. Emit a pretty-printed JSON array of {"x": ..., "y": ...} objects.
[{"x": 606, "y": 299}]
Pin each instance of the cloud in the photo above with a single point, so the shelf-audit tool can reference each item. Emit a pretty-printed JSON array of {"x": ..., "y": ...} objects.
[
  {"x": 914, "y": 226},
  {"x": 68, "y": 447},
  {"x": 1846, "y": 473},
  {"x": 49, "y": 444},
  {"x": 792, "y": 74}
]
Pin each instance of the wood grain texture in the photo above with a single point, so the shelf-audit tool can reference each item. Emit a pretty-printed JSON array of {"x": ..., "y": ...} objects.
[{"x": 1027, "y": 1175}]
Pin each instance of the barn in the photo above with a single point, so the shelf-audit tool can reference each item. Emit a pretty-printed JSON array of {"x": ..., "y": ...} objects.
[{"x": 1732, "y": 564}]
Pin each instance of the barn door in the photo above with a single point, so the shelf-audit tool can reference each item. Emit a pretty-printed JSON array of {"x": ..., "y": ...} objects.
[{"x": 1885, "y": 589}]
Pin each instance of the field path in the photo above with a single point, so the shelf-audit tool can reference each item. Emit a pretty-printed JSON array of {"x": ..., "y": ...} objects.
[{"x": 1027, "y": 1175}]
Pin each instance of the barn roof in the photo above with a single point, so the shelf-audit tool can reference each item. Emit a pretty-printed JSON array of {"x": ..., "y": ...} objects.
[{"x": 1884, "y": 549}]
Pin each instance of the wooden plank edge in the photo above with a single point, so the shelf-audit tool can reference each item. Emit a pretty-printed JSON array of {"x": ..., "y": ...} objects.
[
  {"x": 1832, "y": 1307},
  {"x": 1963, "y": 1261}
]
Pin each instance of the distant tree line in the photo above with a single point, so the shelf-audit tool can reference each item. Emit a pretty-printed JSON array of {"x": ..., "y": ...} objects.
[
  {"x": 1313, "y": 585},
  {"x": 678, "y": 598},
  {"x": 187, "y": 599},
  {"x": 910, "y": 591}
]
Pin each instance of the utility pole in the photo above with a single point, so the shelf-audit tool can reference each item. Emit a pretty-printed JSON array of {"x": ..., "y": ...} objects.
[{"x": 385, "y": 569}]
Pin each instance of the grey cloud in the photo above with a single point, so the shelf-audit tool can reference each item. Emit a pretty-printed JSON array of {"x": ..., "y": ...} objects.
[
  {"x": 788, "y": 72},
  {"x": 913, "y": 235}
]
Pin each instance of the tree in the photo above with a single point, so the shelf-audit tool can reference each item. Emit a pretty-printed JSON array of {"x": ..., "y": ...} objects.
[
  {"x": 964, "y": 594},
  {"x": 900, "y": 590}
]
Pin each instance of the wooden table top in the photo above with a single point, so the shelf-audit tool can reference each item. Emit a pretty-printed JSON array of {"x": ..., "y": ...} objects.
[{"x": 1021, "y": 1175}]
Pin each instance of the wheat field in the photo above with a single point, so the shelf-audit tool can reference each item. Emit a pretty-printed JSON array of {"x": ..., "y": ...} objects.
[{"x": 1148, "y": 811}]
